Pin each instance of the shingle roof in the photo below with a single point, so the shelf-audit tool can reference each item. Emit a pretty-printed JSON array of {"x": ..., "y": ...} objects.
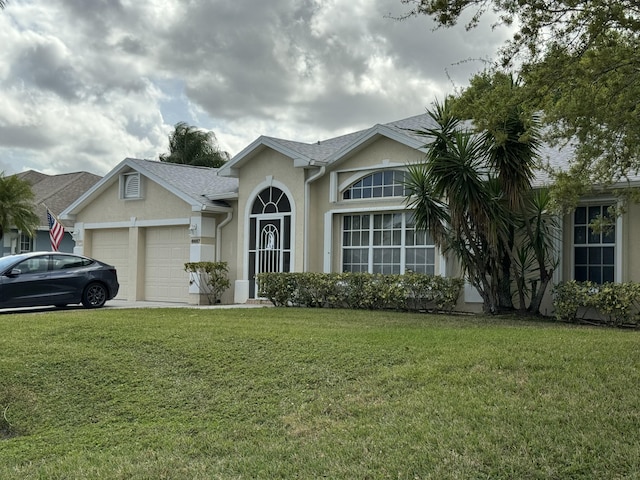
[
  {"x": 325, "y": 149},
  {"x": 57, "y": 191},
  {"x": 191, "y": 184},
  {"x": 194, "y": 182},
  {"x": 329, "y": 150}
]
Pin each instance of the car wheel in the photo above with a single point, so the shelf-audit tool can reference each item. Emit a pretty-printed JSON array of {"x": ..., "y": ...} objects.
[{"x": 94, "y": 295}]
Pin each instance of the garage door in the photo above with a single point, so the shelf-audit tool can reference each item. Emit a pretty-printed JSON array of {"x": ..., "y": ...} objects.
[
  {"x": 112, "y": 246},
  {"x": 166, "y": 253}
]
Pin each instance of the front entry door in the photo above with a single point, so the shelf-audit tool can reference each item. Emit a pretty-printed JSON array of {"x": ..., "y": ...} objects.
[
  {"x": 269, "y": 235},
  {"x": 272, "y": 251},
  {"x": 269, "y": 243}
]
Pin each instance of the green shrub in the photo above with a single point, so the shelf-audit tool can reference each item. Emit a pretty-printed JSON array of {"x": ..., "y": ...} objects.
[
  {"x": 618, "y": 302},
  {"x": 614, "y": 303},
  {"x": 210, "y": 278},
  {"x": 411, "y": 291},
  {"x": 569, "y": 297}
]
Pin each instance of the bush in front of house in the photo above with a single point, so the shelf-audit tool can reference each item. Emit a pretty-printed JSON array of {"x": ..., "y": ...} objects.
[
  {"x": 411, "y": 291},
  {"x": 210, "y": 278},
  {"x": 615, "y": 304}
]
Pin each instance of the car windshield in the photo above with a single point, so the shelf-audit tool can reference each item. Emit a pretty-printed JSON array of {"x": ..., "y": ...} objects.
[{"x": 5, "y": 262}]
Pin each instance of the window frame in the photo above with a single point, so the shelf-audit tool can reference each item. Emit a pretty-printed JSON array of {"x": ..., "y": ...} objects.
[
  {"x": 25, "y": 240},
  {"x": 368, "y": 188},
  {"x": 382, "y": 242},
  {"x": 603, "y": 205}
]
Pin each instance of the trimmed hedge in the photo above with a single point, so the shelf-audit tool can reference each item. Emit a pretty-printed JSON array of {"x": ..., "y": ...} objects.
[
  {"x": 615, "y": 304},
  {"x": 411, "y": 291}
]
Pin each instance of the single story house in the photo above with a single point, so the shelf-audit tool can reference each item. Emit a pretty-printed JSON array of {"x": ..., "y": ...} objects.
[
  {"x": 56, "y": 192},
  {"x": 280, "y": 205}
]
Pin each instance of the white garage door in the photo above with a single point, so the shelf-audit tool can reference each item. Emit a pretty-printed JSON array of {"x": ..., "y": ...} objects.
[
  {"x": 166, "y": 253},
  {"x": 112, "y": 246}
]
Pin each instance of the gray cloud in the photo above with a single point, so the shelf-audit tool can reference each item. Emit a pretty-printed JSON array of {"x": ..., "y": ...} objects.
[
  {"x": 44, "y": 66},
  {"x": 88, "y": 86}
]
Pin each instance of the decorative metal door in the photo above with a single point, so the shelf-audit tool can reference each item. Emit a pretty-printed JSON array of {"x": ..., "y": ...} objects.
[
  {"x": 269, "y": 236},
  {"x": 269, "y": 246}
]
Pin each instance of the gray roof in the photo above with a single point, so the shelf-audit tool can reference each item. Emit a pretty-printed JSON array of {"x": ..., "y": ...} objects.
[
  {"x": 325, "y": 150},
  {"x": 57, "y": 191},
  {"x": 192, "y": 184},
  {"x": 406, "y": 130}
]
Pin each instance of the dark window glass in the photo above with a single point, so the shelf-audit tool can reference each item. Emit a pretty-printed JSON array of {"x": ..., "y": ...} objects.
[
  {"x": 581, "y": 273},
  {"x": 608, "y": 274},
  {"x": 595, "y": 274},
  {"x": 608, "y": 256},
  {"x": 581, "y": 255}
]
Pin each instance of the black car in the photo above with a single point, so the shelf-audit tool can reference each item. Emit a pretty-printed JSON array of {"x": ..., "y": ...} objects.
[{"x": 51, "y": 278}]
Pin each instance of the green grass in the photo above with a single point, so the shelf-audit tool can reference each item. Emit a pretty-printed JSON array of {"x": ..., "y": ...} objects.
[{"x": 295, "y": 393}]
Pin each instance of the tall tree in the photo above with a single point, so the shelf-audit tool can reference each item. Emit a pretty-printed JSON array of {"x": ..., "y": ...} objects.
[
  {"x": 579, "y": 65},
  {"x": 16, "y": 205},
  {"x": 191, "y": 146},
  {"x": 457, "y": 204},
  {"x": 473, "y": 194}
]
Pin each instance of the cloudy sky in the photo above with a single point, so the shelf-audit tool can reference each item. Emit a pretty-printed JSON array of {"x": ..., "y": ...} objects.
[{"x": 86, "y": 83}]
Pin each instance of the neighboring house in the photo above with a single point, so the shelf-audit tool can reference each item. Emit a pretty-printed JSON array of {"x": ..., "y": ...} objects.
[
  {"x": 57, "y": 192},
  {"x": 279, "y": 205}
]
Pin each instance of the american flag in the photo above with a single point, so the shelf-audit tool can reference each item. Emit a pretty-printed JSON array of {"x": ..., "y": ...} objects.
[{"x": 56, "y": 231}]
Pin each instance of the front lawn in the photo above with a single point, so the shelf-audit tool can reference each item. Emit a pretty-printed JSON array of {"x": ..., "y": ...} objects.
[{"x": 303, "y": 393}]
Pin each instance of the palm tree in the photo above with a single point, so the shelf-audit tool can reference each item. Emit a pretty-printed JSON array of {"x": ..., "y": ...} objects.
[
  {"x": 191, "y": 146},
  {"x": 16, "y": 205},
  {"x": 458, "y": 202},
  {"x": 512, "y": 155},
  {"x": 473, "y": 194}
]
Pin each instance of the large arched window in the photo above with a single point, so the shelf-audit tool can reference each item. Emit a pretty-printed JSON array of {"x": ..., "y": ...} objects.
[
  {"x": 388, "y": 183},
  {"x": 269, "y": 234}
]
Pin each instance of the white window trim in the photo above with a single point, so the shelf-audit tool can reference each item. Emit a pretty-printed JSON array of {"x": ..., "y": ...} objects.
[
  {"x": 371, "y": 247},
  {"x": 618, "y": 267},
  {"x": 335, "y": 190},
  {"x": 353, "y": 179},
  {"x": 440, "y": 261}
]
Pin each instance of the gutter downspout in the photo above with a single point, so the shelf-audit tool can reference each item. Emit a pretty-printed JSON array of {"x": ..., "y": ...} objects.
[
  {"x": 307, "y": 195},
  {"x": 219, "y": 233}
]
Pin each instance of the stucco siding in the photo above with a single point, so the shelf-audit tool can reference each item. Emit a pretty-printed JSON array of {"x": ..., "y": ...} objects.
[
  {"x": 632, "y": 241},
  {"x": 157, "y": 203},
  {"x": 230, "y": 244}
]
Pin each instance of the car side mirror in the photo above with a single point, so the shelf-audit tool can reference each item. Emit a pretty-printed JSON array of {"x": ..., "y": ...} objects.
[{"x": 14, "y": 272}]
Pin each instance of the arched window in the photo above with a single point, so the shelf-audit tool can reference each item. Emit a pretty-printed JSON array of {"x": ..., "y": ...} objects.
[
  {"x": 388, "y": 183},
  {"x": 271, "y": 200}
]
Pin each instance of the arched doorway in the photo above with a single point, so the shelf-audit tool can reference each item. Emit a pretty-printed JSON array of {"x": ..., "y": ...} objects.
[{"x": 269, "y": 235}]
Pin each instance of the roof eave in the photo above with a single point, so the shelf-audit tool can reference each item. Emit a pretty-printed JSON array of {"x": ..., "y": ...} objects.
[{"x": 222, "y": 196}]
